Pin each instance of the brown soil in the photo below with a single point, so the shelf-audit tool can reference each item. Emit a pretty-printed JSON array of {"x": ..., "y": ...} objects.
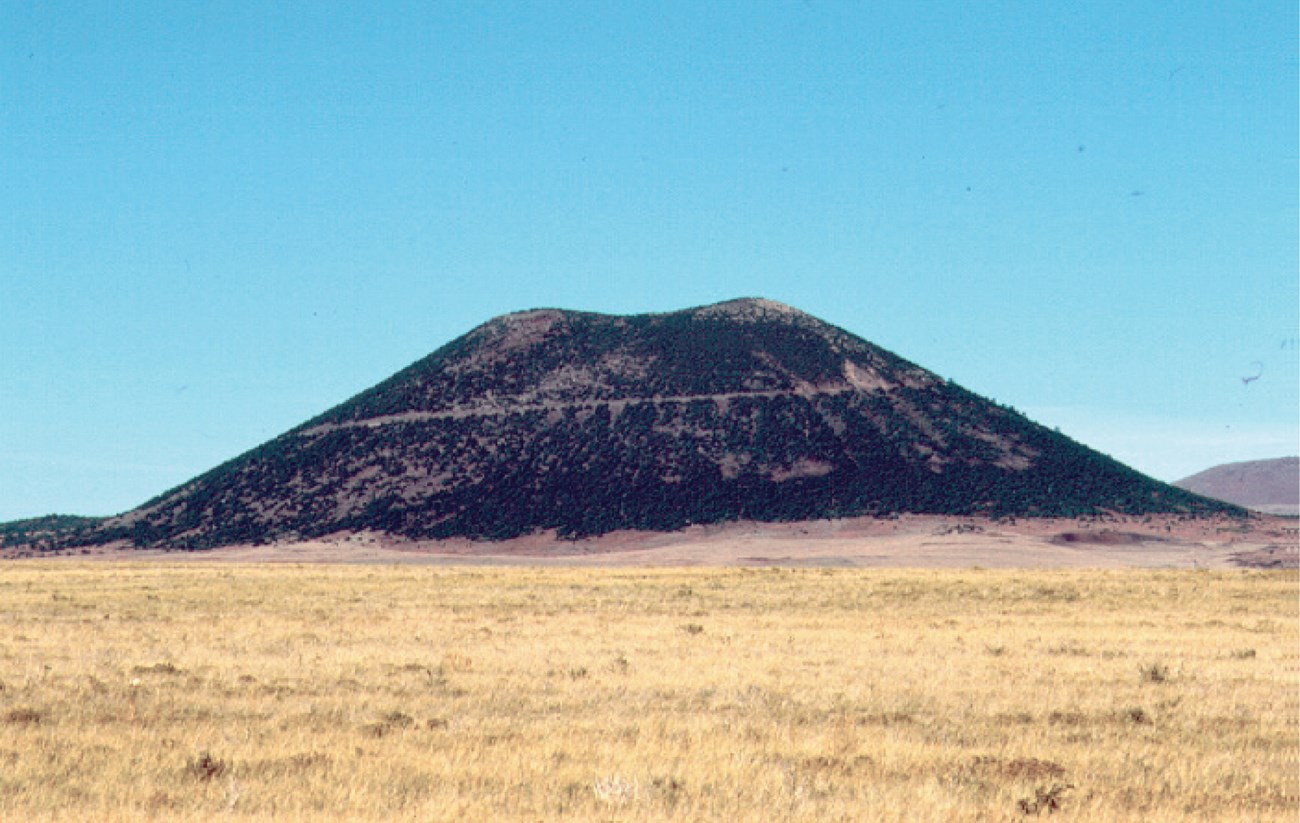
[{"x": 906, "y": 541}]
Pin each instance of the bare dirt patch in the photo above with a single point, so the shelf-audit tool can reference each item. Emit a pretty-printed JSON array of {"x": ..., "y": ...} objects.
[
  {"x": 905, "y": 541},
  {"x": 1269, "y": 557},
  {"x": 1103, "y": 538}
]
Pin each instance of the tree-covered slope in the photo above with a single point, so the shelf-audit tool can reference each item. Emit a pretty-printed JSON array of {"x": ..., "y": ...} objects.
[{"x": 587, "y": 423}]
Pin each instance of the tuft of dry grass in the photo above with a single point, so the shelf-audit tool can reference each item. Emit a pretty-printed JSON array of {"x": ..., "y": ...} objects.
[{"x": 193, "y": 691}]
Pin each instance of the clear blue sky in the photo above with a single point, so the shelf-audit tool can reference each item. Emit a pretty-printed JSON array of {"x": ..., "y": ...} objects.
[{"x": 219, "y": 219}]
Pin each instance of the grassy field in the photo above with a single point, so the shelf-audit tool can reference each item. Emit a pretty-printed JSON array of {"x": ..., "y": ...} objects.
[{"x": 209, "y": 691}]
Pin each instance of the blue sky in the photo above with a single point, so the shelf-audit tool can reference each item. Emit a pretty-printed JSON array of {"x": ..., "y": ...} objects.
[{"x": 220, "y": 219}]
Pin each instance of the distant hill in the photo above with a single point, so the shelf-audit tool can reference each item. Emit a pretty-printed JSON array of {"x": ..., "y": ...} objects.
[
  {"x": 584, "y": 424},
  {"x": 50, "y": 529},
  {"x": 1271, "y": 486}
]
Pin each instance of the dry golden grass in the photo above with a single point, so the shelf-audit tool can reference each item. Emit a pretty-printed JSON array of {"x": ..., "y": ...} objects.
[{"x": 194, "y": 691}]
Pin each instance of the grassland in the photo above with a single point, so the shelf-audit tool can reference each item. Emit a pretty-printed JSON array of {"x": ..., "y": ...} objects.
[{"x": 196, "y": 692}]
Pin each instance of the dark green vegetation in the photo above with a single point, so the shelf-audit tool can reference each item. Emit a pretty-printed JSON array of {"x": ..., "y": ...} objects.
[
  {"x": 45, "y": 532},
  {"x": 587, "y": 423}
]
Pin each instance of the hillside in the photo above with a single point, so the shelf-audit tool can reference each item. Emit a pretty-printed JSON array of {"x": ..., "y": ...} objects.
[
  {"x": 584, "y": 424},
  {"x": 46, "y": 532},
  {"x": 1271, "y": 486}
]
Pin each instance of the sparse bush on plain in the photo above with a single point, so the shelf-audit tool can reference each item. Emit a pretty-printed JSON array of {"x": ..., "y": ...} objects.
[
  {"x": 1154, "y": 672},
  {"x": 1137, "y": 715},
  {"x": 204, "y": 766},
  {"x": 1044, "y": 800},
  {"x": 24, "y": 717}
]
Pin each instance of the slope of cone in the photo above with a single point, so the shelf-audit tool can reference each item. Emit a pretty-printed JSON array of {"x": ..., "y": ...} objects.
[{"x": 584, "y": 423}]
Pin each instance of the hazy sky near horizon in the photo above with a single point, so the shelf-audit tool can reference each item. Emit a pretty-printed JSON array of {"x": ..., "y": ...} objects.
[{"x": 220, "y": 219}]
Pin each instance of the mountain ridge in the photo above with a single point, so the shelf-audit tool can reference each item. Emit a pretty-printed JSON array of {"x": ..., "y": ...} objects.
[{"x": 1271, "y": 486}]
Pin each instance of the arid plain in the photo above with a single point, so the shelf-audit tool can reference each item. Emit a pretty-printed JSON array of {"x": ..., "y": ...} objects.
[
  {"x": 739, "y": 678},
  {"x": 910, "y": 541}
]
